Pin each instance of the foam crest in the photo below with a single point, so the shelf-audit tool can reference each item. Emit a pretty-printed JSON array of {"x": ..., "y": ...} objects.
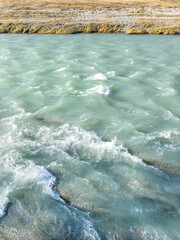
[
  {"x": 97, "y": 76},
  {"x": 61, "y": 69},
  {"x": 111, "y": 74},
  {"x": 89, "y": 232},
  {"x": 4, "y": 201},
  {"x": 17, "y": 172},
  {"x": 78, "y": 142},
  {"x": 100, "y": 89},
  {"x": 163, "y": 134},
  {"x": 168, "y": 136}
]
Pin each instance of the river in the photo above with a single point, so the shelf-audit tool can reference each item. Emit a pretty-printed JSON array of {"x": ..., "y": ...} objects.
[{"x": 89, "y": 137}]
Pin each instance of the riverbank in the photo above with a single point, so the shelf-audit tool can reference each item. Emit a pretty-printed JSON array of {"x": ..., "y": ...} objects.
[{"x": 81, "y": 17}]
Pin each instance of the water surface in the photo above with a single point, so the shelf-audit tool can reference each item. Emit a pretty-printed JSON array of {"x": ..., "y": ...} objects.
[{"x": 89, "y": 137}]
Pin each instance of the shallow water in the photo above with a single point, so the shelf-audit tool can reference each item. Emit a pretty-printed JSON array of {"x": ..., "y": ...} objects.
[{"x": 90, "y": 137}]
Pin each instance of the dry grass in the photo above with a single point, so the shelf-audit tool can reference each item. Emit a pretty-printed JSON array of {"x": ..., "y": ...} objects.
[
  {"x": 83, "y": 4},
  {"x": 64, "y": 20}
]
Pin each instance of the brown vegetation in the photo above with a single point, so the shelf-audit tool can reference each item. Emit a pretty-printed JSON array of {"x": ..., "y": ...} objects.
[
  {"x": 48, "y": 4},
  {"x": 89, "y": 16}
]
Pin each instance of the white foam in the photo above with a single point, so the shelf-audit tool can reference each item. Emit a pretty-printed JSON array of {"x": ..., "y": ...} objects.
[
  {"x": 37, "y": 174},
  {"x": 4, "y": 201},
  {"x": 81, "y": 143},
  {"x": 111, "y": 74},
  {"x": 17, "y": 172},
  {"x": 151, "y": 233},
  {"x": 169, "y": 115},
  {"x": 133, "y": 75},
  {"x": 145, "y": 137},
  {"x": 100, "y": 89},
  {"x": 163, "y": 134},
  {"x": 172, "y": 147},
  {"x": 97, "y": 76},
  {"x": 164, "y": 90},
  {"x": 61, "y": 69},
  {"x": 132, "y": 157},
  {"x": 37, "y": 87},
  {"x": 89, "y": 232}
]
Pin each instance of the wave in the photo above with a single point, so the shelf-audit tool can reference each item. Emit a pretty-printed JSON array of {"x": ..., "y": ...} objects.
[
  {"x": 22, "y": 175},
  {"x": 75, "y": 142},
  {"x": 82, "y": 144},
  {"x": 38, "y": 174}
]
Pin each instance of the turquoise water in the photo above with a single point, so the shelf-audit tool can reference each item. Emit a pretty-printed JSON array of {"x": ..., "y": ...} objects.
[{"x": 89, "y": 137}]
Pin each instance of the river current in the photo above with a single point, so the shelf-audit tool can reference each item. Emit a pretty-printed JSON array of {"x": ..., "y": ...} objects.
[{"x": 89, "y": 137}]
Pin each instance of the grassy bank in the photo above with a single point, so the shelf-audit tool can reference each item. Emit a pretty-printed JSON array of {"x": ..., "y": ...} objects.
[{"x": 104, "y": 16}]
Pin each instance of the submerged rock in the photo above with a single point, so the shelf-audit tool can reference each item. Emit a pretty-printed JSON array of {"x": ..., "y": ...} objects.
[
  {"x": 37, "y": 216},
  {"x": 166, "y": 167},
  {"x": 79, "y": 193},
  {"x": 23, "y": 223}
]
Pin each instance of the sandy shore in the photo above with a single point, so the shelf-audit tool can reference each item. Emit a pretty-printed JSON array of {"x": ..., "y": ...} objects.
[{"x": 65, "y": 17}]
